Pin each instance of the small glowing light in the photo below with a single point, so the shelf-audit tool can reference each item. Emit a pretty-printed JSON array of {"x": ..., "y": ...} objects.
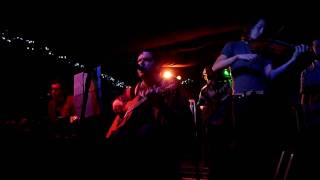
[
  {"x": 167, "y": 74},
  {"x": 179, "y": 77},
  {"x": 226, "y": 73},
  {"x": 103, "y": 76}
]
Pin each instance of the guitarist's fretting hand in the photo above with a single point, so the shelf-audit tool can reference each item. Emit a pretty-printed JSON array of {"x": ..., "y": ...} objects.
[
  {"x": 149, "y": 92},
  {"x": 158, "y": 90}
]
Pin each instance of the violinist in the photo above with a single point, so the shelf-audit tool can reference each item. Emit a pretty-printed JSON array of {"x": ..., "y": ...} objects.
[
  {"x": 156, "y": 124},
  {"x": 252, "y": 73}
]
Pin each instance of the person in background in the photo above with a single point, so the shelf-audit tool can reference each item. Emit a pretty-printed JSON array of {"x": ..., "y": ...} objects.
[
  {"x": 215, "y": 110},
  {"x": 310, "y": 101},
  {"x": 61, "y": 109}
]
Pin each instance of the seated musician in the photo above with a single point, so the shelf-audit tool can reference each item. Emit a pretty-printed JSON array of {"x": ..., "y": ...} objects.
[
  {"x": 61, "y": 112},
  {"x": 61, "y": 105}
]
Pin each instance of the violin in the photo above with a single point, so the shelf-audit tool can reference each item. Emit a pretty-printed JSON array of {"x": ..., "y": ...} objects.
[
  {"x": 270, "y": 47},
  {"x": 273, "y": 48},
  {"x": 279, "y": 51}
]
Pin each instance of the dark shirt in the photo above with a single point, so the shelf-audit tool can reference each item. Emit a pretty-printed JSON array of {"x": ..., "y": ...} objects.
[
  {"x": 310, "y": 79},
  {"x": 246, "y": 75}
]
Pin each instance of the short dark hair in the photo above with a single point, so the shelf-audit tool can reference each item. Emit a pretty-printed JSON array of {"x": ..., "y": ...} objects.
[
  {"x": 156, "y": 54},
  {"x": 56, "y": 81},
  {"x": 60, "y": 82},
  {"x": 211, "y": 75}
]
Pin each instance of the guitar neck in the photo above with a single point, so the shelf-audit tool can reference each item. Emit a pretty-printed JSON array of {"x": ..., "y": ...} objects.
[
  {"x": 130, "y": 109},
  {"x": 144, "y": 98}
]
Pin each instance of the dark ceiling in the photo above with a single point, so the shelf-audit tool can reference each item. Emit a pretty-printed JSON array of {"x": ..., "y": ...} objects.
[
  {"x": 112, "y": 34},
  {"x": 190, "y": 34}
]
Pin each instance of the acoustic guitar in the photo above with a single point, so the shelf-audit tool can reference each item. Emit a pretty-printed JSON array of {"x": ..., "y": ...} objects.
[{"x": 122, "y": 118}]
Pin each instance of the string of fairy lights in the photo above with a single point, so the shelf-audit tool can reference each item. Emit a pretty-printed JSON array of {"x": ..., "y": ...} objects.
[{"x": 34, "y": 46}]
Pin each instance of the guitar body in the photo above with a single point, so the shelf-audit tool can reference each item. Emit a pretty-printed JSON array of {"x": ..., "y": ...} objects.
[
  {"x": 133, "y": 105},
  {"x": 114, "y": 126},
  {"x": 121, "y": 119},
  {"x": 209, "y": 109},
  {"x": 213, "y": 108}
]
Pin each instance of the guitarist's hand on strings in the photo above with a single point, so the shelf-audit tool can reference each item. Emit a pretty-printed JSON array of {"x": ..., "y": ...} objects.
[{"x": 150, "y": 92}]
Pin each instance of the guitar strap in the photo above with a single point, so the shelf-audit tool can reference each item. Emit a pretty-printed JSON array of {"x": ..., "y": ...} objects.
[{"x": 136, "y": 90}]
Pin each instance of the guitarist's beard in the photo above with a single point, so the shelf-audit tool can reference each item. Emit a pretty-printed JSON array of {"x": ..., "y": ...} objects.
[{"x": 140, "y": 74}]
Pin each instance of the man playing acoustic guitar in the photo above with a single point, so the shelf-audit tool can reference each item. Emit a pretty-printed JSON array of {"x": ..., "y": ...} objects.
[{"x": 154, "y": 123}]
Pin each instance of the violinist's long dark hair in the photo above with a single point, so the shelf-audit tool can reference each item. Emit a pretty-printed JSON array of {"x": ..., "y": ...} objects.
[{"x": 249, "y": 24}]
